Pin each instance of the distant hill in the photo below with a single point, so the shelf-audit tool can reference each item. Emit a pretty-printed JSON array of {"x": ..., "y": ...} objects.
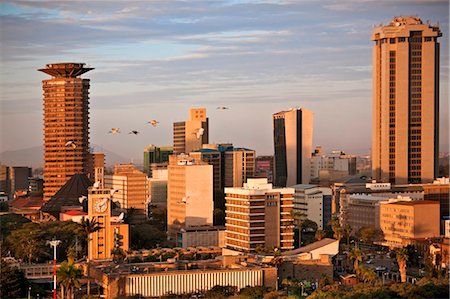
[{"x": 33, "y": 157}]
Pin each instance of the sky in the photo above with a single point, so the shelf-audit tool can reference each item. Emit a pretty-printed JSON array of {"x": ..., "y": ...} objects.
[{"x": 157, "y": 59}]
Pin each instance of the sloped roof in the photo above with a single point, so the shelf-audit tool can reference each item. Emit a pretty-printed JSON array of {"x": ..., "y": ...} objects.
[
  {"x": 68, "y": 195},
  {"x": 26, "y": 203},
  {"x": 311, "y": 247}
]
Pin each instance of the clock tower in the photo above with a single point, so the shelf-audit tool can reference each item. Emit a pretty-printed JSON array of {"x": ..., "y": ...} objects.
[{"x": 99, "y": 209}]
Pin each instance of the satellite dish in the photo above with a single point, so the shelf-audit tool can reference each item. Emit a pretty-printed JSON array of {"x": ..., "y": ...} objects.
[
  {"x": 121, "y": 216},
  {"x": 81, "y": 198}
]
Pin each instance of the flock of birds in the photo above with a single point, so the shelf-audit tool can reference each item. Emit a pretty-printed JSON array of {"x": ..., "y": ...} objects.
[{"x": 154, "y": 123}]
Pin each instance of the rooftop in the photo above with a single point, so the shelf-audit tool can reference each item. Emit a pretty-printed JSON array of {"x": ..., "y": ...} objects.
[
  {"x": 414, "y": 202},
  {"x": 65, "y": 69},
  {"x": 311, "y": 247}
]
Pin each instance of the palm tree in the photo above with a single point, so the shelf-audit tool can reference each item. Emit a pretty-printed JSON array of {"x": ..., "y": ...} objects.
[
  {"x": 356, "y": 255},
  {"x": 68, "y": 275},
  {"x": 336, "y": 227},
  {"x": 320, "y": 234},
  {"x": 299, "y": 218},
  {"x": 402, "y": 258},
  {"x": 347, "y": 231},
  {"x": 89, "y": 227},
  {"x": 367, "y": 275}
]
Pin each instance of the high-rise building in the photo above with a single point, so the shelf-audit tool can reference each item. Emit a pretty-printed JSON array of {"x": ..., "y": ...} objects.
[
  {"x": 405, "y": 122},
  {"x": 131, "y": 190},
  {"x": 66, "y": 124},
  {"x": 155, "y": 154},
  {"x": 190, "y": 135},
  {"x": 189, "y": 194},
  {"x": 264, "y": 167},
  {"x": 232, "y": 166},
  {"x": 259, "y": 215},
  {"x": 292, "y": 134}
]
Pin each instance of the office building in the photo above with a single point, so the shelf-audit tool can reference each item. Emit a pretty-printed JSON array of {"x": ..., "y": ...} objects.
[
  {"x": 232, "y": 166},
  {"x": 329, "y": 167},
  {"x": 157, "y": 188},
  {"x": 264, "y": 167},
  {"x": 314, "y": 203},
  {"x": 405, "y": 121},
  {"x": 66, "y": 124},
  {"x": 364, "y": 211},
  {"x": 19, "y": 179},
  {"x": 131, "y": 190},
  {"x": 292, "y": 133},
  {"x": 403, "y": 220},
  {"x": 156, "y": 155},
  {"x": 190, "y": 135},
  {"x": 189, "y": 194},
  {"x": 258, "y": 215},
  {"x": 439, "y": 191},
  {"x": 205, "y": 236},
  {"x": 36, "y": 186},
  {"x": 113, "y": 233}
]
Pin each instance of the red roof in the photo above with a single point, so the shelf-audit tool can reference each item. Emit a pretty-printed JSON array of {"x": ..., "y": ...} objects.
[
  {"x": 26, "y": 203},
  {"x": 75, "y": 213}
]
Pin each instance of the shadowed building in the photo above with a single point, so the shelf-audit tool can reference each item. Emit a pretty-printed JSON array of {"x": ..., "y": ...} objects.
[
  {"x": 189, "y": 135},
  {"x": 405, "y": 128},
  {"x": 156, "y": 155},
  {"x": 292, "y": 135},
  {"x": 66, "y": 124}
]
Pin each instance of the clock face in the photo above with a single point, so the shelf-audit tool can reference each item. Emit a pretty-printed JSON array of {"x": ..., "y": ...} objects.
[{"x": 101, "y": 205}]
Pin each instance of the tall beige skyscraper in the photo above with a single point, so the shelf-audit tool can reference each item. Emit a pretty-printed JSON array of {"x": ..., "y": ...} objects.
[
  {"x": 292, "y": 135},
  {"x": 190, "y": 135},
  {"x": 66, "y": 124},
  {"x": 405, "y": 137}
]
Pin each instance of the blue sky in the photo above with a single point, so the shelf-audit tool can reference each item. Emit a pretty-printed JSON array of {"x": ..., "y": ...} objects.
[{"x": 156, "y": 59}]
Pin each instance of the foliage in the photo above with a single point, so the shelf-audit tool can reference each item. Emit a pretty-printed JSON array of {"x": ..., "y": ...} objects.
[
  {"x": 401, "y": 255},
  {"x": 423, "y": 289},
  {"x": 12, "y": 281},
  {"x": 29, "y": 241},
  {"x": 253, "y": 292},
  {"x": 221, "y": 291},
  {"x": 146, "y": 235},
  {"x": 4, "y": 207},
  {"x": 68, "y": 277},
  {"x": 369, "y": 234},
  {"x": 336, "y": 227},
  {"x": 11, "y": 222},
  {"x": 356, "y": 256},
  {"x": 367, "y": 275},
  {"x": 320, "y": 234}
]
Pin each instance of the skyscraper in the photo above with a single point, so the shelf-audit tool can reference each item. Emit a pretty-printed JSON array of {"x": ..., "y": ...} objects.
[
  {"x": 292, "y": 135},
  {"x": 405, "y": 128},
  {"x": 66, "y": 124},
  {"x": 190, "y": 135}
]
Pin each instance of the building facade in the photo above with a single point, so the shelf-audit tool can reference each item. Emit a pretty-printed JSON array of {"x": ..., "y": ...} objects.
[
  {"x": 258, "y": 215},
  {"x": 328, "y": 167},
  {"x": 189, "y": 194},
  {"x": 292, "y": 133},
  {"x": 156, "y": 154},
  {"x": 364, "y": 211},
  {"x": 405, "y": 121},
  {"x": 190, "y": 135},
  {"x": 66, "y": 124},
  {"x": 312, "y": 202},
  {"x": 405, "y": 219},
  {"x": 131, "y": 190}
]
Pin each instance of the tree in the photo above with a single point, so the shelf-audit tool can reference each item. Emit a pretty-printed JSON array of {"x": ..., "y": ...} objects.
[
  {"x": 336, "y": 227},
  {"x": 369, "y": 234},
  {"x": 68, "y": 275},
  {"x": 367, "y": 275},
  {"x": 347, "y": 232},
  {"x": 401, "y": 255},
  {"x": 299, "y": 218},
  {"x": 356, "y": 256},
  {"x": 12, "y": 281},
  {"x": 320, "y": 234},
  {"x": 89, "y": 227}
]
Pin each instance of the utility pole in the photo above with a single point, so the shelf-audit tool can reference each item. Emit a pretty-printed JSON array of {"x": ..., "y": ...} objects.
[{"x": 54, "y": 244}]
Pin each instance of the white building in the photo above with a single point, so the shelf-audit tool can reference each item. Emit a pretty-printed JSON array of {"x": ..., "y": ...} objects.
[
  {"x": 314, "y": 202},
  {"x": 333, "y": 165}
]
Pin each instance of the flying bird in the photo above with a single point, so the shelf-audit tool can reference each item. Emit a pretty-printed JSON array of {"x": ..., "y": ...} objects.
[
  {"x": 134, "y": 132},
  {"x": 82, "y": 198},
  {"x": 222, "y": 108},
  {"x": 154, "y": 122},
  {"x": 113, "y": 191},
  {"x": 70, "y": 143},
  {"x": 114, "y": 130},
  {"x": 96, "y": 184},
  {"x": 199, "y": 133}
]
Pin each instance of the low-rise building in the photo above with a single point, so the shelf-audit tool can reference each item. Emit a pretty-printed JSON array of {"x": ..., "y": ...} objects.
[
  {"x": 364, "y": 211},
  {"x": 402, "y": 220},
  {"x": 314, "y": 203},
  {"x": 202, "y": 236}
]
